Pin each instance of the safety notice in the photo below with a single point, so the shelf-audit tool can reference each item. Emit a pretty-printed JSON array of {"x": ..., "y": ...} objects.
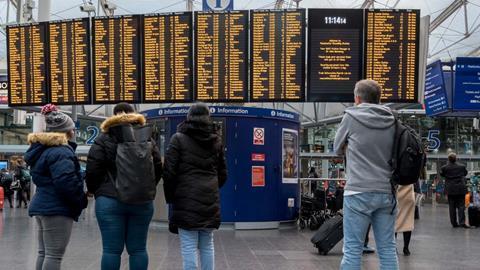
[
  {"x": 258, "y": 176},
  {"x": 258, "y": 136}
]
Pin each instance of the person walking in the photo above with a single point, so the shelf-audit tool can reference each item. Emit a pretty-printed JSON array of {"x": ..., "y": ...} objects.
[
  {"x": 60, "y": 197},
  {"x": 364, "y": 134},
  {"x": 405, "y": 215},
  {"x": 456, "y": 188},
  {"x": 124, "y": 216},
  {"x": 194, "y": 171}
]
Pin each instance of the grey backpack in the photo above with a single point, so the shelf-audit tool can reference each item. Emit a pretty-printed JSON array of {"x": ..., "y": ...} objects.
[{"x": 135, "y": 180}]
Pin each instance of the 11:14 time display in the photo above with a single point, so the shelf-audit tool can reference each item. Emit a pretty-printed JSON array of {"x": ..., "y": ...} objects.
[{"x": 335, "y": 20}]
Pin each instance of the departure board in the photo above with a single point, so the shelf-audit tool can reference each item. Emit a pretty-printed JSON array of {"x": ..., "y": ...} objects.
[
  {"x": 392, "y": 48},
  {"x": 221, "y": 47},
  {"x": 69, "y": 44},
  {"x": 277, "y": 46},
  {"x": 167, "y": 57},
  {"x": 116, "y": 59},
  {"x": 27, "y": 51},
  {"x": 335, "y": 54}
]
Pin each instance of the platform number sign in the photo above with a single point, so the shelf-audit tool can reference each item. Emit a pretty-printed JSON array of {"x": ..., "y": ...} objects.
[
  {"x": 209, "y": 5},
  {"x": 433, "y": 140},
  {"x": 258, "y": 136}
]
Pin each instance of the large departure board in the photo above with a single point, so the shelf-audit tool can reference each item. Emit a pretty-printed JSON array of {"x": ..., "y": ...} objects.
[
  {"x": 221, "y": 55},
  {"x": 277, "y": 45},
  {"x": 392, "y": 53},
  {"x": 116, "y": 59},
  {"x": 167, "y": 57},
  {"x": 335, "y": 54},
  {"x": 27, "y": 64},
  {"x": 69, "y": 44}
]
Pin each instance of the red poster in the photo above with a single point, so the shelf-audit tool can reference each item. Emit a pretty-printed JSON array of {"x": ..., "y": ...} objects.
[
  {"x": 258, "y": 157},
  {"x": 258, "y": 176}
]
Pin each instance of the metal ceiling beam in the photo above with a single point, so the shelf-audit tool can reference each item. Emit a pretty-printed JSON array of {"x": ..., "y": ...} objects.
[
  {"x": 396, "y": 3},
  {"x": 367, "y": 4},
  {"x": 452, "y": 8}
]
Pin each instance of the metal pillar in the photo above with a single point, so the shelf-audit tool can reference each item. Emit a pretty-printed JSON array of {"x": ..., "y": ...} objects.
[
  {"x": 44, "y": 8},
  {"x": 189, "y": 5}
]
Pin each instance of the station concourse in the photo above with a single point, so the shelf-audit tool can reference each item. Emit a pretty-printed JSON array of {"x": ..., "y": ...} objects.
[{"x": 255, "y": 126}]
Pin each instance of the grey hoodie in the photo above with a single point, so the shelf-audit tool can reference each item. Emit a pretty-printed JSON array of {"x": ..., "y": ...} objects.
[{"x": 367, "y": 133}]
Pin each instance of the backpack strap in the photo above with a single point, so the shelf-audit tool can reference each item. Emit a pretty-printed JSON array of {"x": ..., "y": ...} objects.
[{"x": 393, "y": 164}]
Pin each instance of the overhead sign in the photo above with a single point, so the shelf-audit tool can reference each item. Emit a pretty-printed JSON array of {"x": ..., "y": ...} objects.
[
  {"x": 258, "y": 136},
  {"x": 435, "y": 91},
  {"x": 335, "y": 54},
  {"x": 209, "y": 5},
  {"x": 3, "y": 89},
  {"x": 258, "y": 176},
  {"x": 466, "y": 95}
]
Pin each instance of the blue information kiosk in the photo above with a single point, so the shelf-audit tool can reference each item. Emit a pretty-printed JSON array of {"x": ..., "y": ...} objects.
[{"x": 261, "y": 146}]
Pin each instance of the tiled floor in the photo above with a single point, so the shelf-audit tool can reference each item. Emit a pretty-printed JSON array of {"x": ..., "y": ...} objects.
[{"x": 435, "y": 245}]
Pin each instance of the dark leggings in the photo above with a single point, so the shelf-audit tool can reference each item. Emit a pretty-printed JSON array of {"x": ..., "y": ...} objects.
[{"x": 406, "y": 238}]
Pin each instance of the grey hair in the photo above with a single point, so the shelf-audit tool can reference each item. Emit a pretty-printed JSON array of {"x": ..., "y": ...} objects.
[{"x": 369, "y": 91}]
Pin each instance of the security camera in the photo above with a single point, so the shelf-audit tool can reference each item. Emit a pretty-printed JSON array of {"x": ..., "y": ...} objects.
[
  {"x": 87, "y": 8},
  {"x": 110, "y": 6}
]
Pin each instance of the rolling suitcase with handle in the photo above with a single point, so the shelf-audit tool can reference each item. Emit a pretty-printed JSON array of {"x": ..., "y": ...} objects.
[{"x": 329, "y": 234}]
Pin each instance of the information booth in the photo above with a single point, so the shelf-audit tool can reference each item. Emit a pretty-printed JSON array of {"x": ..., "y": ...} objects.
[{"x": 262, "y": 158}]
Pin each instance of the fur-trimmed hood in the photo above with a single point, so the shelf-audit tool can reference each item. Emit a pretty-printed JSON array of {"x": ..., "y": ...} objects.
[
  {"x": 121, "y": 119},
  {"x": 40, "y": 142},
  {"x": 48, "y": 138}
]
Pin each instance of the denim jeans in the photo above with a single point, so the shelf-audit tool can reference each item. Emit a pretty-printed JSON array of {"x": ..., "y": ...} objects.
[
  {"x": 123, "y": 225},
  {"x": 363, "y": 209},
  {"x": 193, "y": 240},
  {"x": 53, "y": 237}
]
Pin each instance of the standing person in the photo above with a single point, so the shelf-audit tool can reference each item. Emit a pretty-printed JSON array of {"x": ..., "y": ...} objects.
[
  {"x": 405, "y": 215},
  {"x": 454, "y": 174},
  {"x": 121, "y": 222},
  {"x": 194, "y": 172},
  {"x": 6, "y": 183},
  {"x": 21, "y": 174},
  {"x": 366, "y": 135},
  {"x": 59, "y": 198}
]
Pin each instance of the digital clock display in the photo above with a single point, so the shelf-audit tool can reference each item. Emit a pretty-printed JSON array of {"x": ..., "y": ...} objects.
[{"x": 335, "y": 20}]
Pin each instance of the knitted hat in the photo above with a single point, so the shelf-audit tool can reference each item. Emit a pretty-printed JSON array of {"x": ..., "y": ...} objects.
[
  {"x": 199, "y": 112},
  {"x": 57, "y": 121}
]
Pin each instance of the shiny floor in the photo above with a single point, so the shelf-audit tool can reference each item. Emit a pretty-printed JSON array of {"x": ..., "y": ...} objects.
[{"x": 435, "y": 245}]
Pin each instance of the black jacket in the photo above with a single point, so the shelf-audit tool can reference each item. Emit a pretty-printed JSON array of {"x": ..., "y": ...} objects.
[
  {"x": 194, "y": 171},
  {"x": 101, "y": 157},
  {"x": 454, "y": 174}
]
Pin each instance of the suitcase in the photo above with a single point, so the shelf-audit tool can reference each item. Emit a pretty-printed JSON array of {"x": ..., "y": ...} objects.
[
  {"x": 474, "y": 216},
  {"x": 2, "y": 198},
  {"x": 329, "y": 234}
]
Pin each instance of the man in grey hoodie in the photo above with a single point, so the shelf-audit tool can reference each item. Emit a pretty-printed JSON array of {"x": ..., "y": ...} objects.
[{"x": 366, "y": 136}]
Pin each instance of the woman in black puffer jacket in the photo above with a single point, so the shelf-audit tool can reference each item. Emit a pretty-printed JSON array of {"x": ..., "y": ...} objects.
[{"x": 194, "y": 171}]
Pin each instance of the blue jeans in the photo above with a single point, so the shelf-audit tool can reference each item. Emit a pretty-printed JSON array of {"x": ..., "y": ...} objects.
[
  {"x": 123, "y": 225},
  {"x": 193, "y": 240},
  {"x": 363, "y": 209}
]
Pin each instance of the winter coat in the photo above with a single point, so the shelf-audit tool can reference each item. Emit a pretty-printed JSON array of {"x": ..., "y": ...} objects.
[
  {"x": 454, "y": 174},
  {"x": 194, "y": 171},
  {"x": 55, "y": 171},
  {"x": 101, "y": 166}
]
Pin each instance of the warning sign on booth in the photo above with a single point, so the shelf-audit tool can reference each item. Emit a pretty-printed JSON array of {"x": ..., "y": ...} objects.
[
  {"x": 258, "y": 136},
  {"x": 258, "y": 176}
]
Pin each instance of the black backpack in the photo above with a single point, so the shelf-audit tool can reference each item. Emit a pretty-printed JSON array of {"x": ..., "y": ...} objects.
[
  {"x": 135, "y": 180},
  {"x": 408, "y": 155}
]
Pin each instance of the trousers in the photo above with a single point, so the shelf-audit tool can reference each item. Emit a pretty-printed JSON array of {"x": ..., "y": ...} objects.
[
  {"x": 456, "y": 205},
  {"x": 53, "y": 237}
]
